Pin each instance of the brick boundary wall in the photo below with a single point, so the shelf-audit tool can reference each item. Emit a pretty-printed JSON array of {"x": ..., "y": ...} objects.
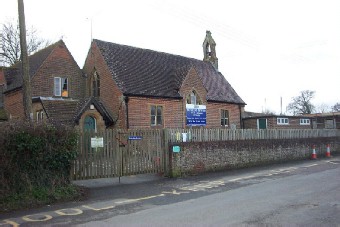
[{"x": 198, "y": 157}]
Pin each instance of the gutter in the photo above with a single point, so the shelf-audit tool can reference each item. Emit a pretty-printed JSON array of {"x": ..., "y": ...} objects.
[
  {"x": 151, "y": 96},
  {"x": 127, "y": 111},
  {"x": 12, "y": 90},
  {"x": 241, "y": 120}
]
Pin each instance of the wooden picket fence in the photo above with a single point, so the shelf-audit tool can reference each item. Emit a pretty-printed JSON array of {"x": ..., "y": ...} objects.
[{"x": 116, "y": 153}]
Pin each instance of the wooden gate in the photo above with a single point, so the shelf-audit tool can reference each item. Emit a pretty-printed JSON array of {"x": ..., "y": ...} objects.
[{"x": 115, "y": 153}]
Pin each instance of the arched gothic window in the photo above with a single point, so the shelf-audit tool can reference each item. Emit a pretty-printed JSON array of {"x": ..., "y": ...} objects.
[
  {"x": 193, "y": 98},
  {"x": 95, "y": 85},
  {"x": 90, "y": 123}
]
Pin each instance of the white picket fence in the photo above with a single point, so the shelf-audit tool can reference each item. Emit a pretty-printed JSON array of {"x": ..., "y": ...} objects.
[{"x": 204, "y": 134}]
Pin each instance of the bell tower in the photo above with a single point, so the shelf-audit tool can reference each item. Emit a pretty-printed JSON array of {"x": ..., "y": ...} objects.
[{"x": 209, "y": 50}]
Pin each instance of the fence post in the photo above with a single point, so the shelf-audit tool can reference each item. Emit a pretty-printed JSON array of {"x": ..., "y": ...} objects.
[{"x": 165, "y": 142}]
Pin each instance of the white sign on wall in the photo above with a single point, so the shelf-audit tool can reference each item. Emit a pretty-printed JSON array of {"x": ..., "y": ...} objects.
[{"x": 97, "y": 142}]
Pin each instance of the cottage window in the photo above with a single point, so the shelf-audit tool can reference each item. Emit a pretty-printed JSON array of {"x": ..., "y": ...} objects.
[
  {"x": 40, "y": 115},
  {"x": 193, "y": 98},
  {"x": 224, "y": 118},
  {"x": 304, "y": 121},
  {"x": 61, "y": 87},
  {"x": 96, "y": 85},
  {"x": 282, "y": 121},
  {"x": 156, "y": 115},
  {"x": 329, "y": 123}
]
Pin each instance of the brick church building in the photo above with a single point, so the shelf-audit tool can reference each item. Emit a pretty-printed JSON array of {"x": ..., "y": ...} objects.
[{"x": 125, "y": 87}]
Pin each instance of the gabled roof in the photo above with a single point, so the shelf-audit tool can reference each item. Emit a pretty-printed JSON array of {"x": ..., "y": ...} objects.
[
  {"x": 85, "y": 105},
  {"x": 69, "y": 111},
  {"x": 144, "y": 72},
  {"x": 13, "y": 74}
]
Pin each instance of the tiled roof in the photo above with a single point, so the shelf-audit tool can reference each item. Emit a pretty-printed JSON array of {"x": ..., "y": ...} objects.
[
  {"x": 247, "y": 114},
  {"x": 60, "y": 111},
  {"x": 69, "y": 111},
  {"x": 13, "y": 78},
  {"x": 3, "y": 115},
  {"x": 13, "y": 74},
  {"x": 150, "y": 73}
]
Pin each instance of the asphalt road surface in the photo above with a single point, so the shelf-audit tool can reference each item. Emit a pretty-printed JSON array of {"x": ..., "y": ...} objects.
[{"x": 293, "y": 194}]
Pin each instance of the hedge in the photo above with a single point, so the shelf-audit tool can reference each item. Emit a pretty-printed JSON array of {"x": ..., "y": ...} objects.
[{"x": 35, "y": 156}]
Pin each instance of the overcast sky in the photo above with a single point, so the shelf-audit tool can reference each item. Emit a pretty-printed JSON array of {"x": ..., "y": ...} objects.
[{"x": 267, "y": 49}]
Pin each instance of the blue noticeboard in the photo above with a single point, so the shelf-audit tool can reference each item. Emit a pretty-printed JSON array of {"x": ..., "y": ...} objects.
[
  {"x": 135, "y": 137},
  {"x": 196, "y": 115}
]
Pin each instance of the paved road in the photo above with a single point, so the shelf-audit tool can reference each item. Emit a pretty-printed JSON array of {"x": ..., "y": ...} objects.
[{"x": 304, "y": 193}]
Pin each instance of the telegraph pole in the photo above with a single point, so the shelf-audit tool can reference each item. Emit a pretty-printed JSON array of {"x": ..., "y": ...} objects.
[{"x": 27, "y": 94}]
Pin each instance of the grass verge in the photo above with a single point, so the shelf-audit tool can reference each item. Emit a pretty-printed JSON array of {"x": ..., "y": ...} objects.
[{"x": 38, "y": 197}]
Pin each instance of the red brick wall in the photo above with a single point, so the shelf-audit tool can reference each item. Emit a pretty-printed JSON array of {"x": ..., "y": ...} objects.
[
  {"x": 193, "y": 82},
  {"x": 214, "y": 114},
  {"x": 59, "y": 63},
  {"x": 13, "y": 104},
  {"x": 110, "y": 94},
  {"x": 139, "y": 110}
]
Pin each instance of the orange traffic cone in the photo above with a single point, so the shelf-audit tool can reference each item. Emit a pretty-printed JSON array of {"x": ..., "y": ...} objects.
[
  {"x": 328, "y": 152},
  {"x": 314, "y": 153}
]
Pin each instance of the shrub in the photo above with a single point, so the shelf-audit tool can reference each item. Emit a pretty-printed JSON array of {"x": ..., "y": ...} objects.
[{"x": 35, "y": 157}]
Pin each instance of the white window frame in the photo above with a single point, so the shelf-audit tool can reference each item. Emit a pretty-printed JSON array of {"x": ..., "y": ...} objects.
[
  {"x": 304, "y": 121},
  {"x": 154, "y": 117},
  {"x": 40, "y": 115},
  {"x": 224, "y": 118},
  {"x": 283, "y": 121},
  {"x": 58, "y": 86},
  {"x": 193, "y": 98}
]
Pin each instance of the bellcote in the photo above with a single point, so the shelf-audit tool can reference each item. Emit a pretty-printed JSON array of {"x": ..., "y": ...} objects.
[{"x": 209, "y": 50}]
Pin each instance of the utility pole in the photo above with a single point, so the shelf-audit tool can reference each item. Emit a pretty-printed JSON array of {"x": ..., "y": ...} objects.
[{"x": 27, "y": 94}]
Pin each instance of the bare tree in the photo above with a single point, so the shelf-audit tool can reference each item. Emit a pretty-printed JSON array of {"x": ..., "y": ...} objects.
[
  {"x": 302, "y": 104},
  {"x": 336, "y": 107},
  {"x": 323, "y": 108},
  {"x": 10, "y": 43},
  {"x": 268, "y": 112}
]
